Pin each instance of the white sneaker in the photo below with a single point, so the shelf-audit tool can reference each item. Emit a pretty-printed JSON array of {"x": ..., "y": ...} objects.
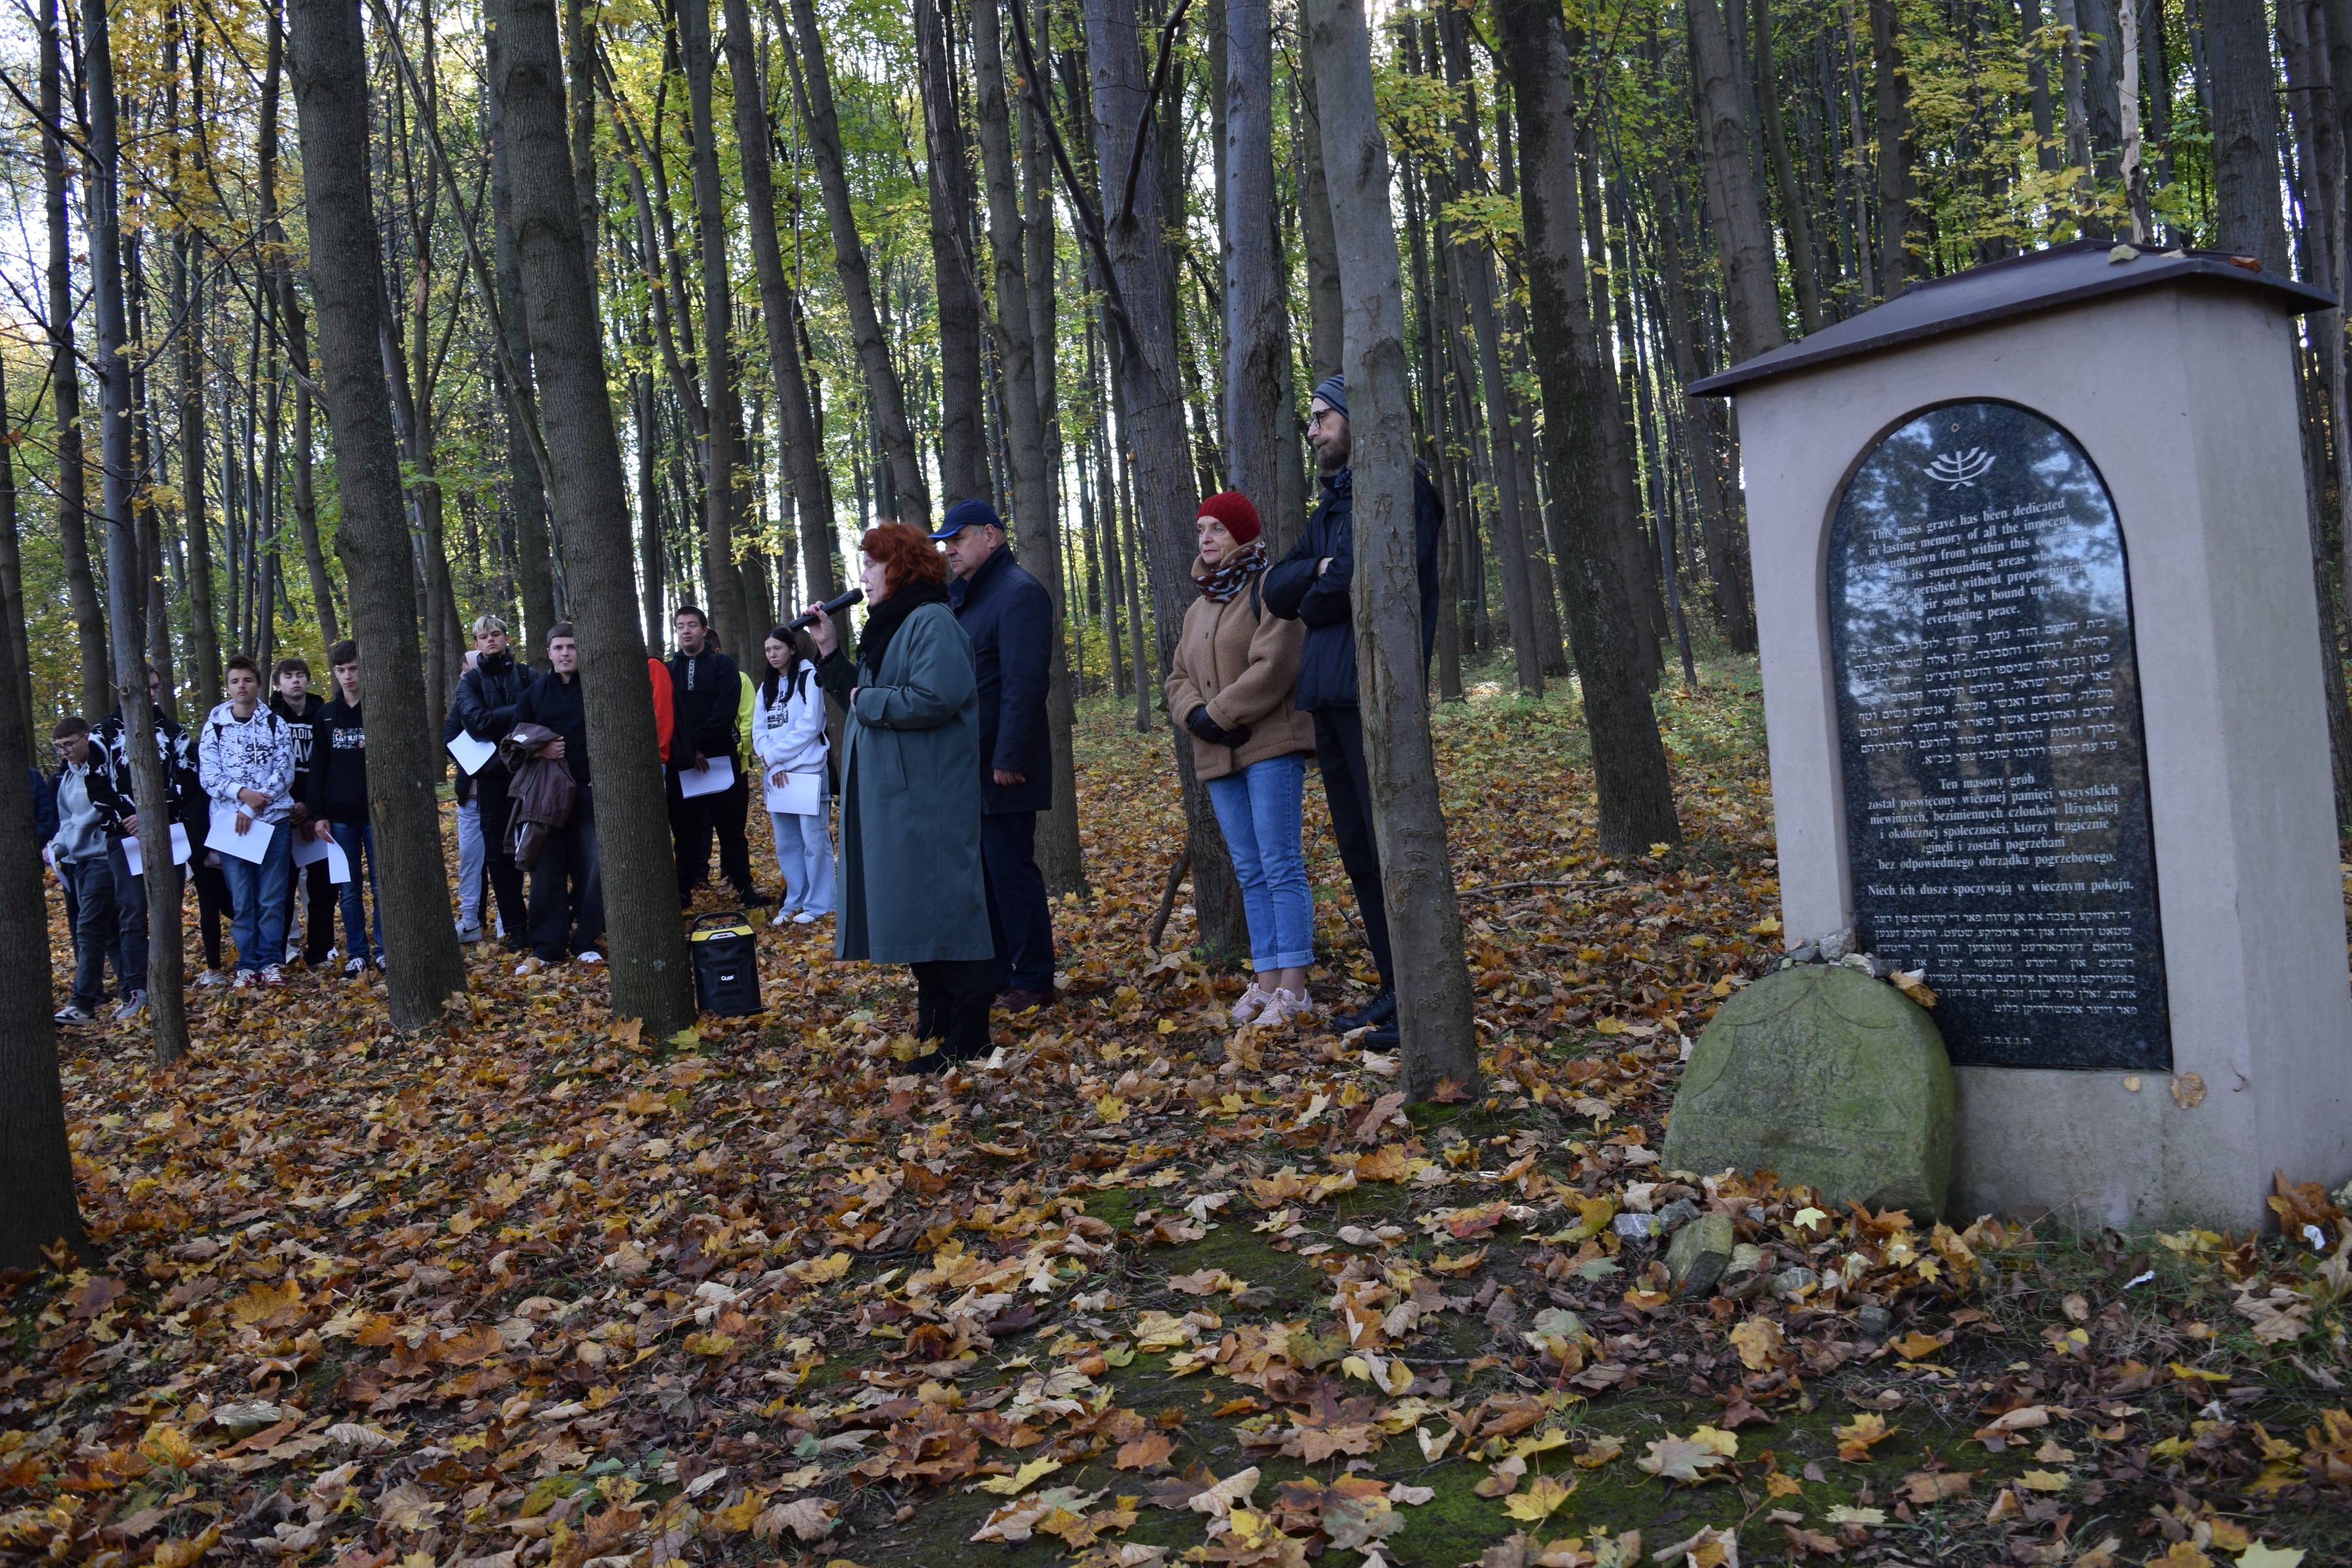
[
  {"x": 211, "y": 977},
  {"x": 467, "y": 933},
  {"x": 293, "y": 951},
  {"x": 590, "y": 956},
  {"x": 355, "y": 969},
  {"x": 133, "y": 1005},
  {"x": 1256, "y": 1004},
  {"x": 806, "y": 917},
  {"x": 529, "y": 966},
  {"x": 1288, "y": 1007},
  {"x": 782, "y": 916},
  {"x": 245, "y": 980},
  {"x": 273, "y": 975}
]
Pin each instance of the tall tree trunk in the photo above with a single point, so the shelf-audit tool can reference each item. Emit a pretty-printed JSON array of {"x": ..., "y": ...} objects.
[
  {"x": 404, "y": 757},
  {"x": 1254, "y": 371},
  {"x": 1591, "y": 479},
  {"x": 525, "y": 491},
  {"x": 294, "y": 327},
  {"x": 1796, "y": 226},
  {"x": 1433, "y": 980},
  {"x": 1892, "y": 85},
  {"x": 125, "y": 585},
  {"x": 963, "y": 444},
  {"x": 1326, "y": 322},
  {"x": 882, "y": 390},
  {"x": 2246, "y": 133},
  {"x": 720, "y": 455},
  {"x": 651, "y": 979},
  {"x": 12, "y": 576},
  {"x": 780, "y": 312},
  {"x": 1751, "y": 282},
  {"x": 65, "y": 379},
  {"x": 1059, "y": 853}
]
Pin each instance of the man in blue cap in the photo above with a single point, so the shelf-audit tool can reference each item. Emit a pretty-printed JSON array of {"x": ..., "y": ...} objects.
[
  {"x": 1310, "y": 584},
  {"x": 1008, "y": 616}
]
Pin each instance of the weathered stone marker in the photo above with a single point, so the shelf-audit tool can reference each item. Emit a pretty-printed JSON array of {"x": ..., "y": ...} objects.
[
  {"x": 2042, "y": 681},
  {"x": 1824, "y": 1077}
]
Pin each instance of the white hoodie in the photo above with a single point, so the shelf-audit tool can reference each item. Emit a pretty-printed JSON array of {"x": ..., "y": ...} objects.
[
  {"x": 256, "y": 753},
  {"x": 789, "y": 734}
]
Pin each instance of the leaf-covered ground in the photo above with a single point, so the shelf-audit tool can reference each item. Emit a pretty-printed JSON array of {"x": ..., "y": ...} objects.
[{"x": 1143, "y": 1289}]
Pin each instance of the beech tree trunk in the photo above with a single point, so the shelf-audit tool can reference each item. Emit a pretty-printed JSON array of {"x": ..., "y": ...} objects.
[
  {"x": 125, "y": 582},
  {"x": 1059, "y": 853},
  {"x": 1152, "y": 391},
  {"x": 1796, "y": 226},
  {"x": 1893, "y": 87},
  {"x": 296, "y": 327},
  {"x": 651, "y": 979},
  {"x": 1433, "y": 980},
  {"x": 404, "y": 756},
  {"x": 720, "y": 453},
  {"x": 64, "y": 378},
  {"x": 525, "y": 489},
  {"x": 2246, "y": 133},
  {"x": 1592, "y": 473},
  {"x": 1751, "y": 285},
  {"x": 1326, "y": 326},
  {"x": 889, "y": 402},
  {"x": 1257, "y": 351},
  {"x": 955, "y": 283}
]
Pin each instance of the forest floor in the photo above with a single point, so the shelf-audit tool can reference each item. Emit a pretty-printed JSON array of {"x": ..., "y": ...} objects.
[{"x": 1143, "y": 1289}]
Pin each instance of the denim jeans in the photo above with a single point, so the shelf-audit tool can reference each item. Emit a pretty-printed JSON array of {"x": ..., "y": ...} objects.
[
  {"x": 804, "y": 860},
  {"x": 131, "y": 919},
  {"x": 471, "y": 857},
  {"x": 1258, "y": 810},
  {"x": 357, "y": 838},
  {"x": 258, "y": 891}
]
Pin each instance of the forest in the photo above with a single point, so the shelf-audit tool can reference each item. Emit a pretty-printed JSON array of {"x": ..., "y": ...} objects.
[{"x": 365, "y": 318}]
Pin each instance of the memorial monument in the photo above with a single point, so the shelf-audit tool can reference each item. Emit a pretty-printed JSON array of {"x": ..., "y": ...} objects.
[{"x": 2042, "y": 675}]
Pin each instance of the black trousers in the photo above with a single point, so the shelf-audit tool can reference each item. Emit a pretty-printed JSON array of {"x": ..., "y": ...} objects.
[
  {"x": 319, "y": 920},
  {"x": 498, "y": 853},
  {"x": 567, "y": 891},
  {"x": 214, "y": 908},
  {"x": 951, "y": 998},
  {"x": 1348, "y": 789},
  {"x": 1020, "y": 919},
  {"x": 693, "y": 821}
]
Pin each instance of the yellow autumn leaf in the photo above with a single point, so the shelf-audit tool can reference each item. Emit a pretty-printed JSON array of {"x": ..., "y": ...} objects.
[
  {"x": 1111, "y": 1108},
  {"x": 1541, "y": 1498},
  {"x": 1759, "y": 1341},
  {"x": 1021, "y": 1479},
  {"x": 2043, "y": 1482},
  {"x": 1856, "y": 1439}
]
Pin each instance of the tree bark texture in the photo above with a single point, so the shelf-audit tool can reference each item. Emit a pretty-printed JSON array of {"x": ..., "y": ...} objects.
[
  {"x": 1591, "y": 478},
  {"x": 404, "y": 756},
  {"x": 2245, "y": 133},
  {"x": 963, "y": 445},
  {"x": 1325, "y": 318},
  {"x": 1257, "y": 352},
  {"x": 526, "y": 490},
  {"x": 720, "y": 455},
  {"x": 1751, "y": 284},
  {"x": 651, "y": 978},
  {"x": 64, "y": 378},
  {"x": 1433, "y": 980},
  {"x": 1892, "y": 85},
  {"x": 1796, "y": 225}
]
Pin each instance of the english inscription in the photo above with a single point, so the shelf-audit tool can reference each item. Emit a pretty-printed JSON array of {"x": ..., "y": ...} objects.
[{"x": 1996, "y": 782}]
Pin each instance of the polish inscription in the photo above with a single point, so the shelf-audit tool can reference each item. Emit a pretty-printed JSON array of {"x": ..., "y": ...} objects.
[{"x": 1996, "y": 782}]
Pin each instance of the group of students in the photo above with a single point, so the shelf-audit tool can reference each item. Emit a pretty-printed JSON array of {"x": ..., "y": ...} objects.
[{"x": 268, "y": 775}]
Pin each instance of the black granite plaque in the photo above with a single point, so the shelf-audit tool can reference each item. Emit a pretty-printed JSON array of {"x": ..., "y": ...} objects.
[{"x": 1996, "y": 780}]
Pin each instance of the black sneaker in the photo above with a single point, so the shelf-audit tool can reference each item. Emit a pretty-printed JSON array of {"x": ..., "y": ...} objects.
[
  {"x": 1381, "y": 1010},
  {"x": 73, "y": 1013}
]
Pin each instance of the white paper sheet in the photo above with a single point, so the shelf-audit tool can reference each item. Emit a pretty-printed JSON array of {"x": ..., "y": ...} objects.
[
  {"x": 709, "y": 781},
  {"x": 252, "y": 845},
  {"x": 181, "y": 850},
  {"x": 308, "y": 849},
  {"x": 801, "y": 795},
  {"x": 471, "y": 754}
]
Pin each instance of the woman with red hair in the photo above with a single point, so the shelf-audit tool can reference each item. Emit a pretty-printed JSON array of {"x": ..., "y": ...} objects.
[{"x": 910, "y": 884}]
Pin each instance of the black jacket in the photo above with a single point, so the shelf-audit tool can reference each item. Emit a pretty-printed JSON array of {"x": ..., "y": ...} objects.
[
  {"x": 484, "y": 702},
  {"x": 1327, "y": 669},
  {"x": 339, "y": 765},
  {"x": 182, "y": 788},
  {"x": 556, "y": 703},
  {"x": 705, "y": 692},
  {"x": 300, "y": 719},
  {"x": 1010, "y": 618}
]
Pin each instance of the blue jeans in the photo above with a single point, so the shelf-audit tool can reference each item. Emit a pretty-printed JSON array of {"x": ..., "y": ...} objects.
[
  {"x": 355, "y": 839},
  {"x": 1258, "y": 810},
  {"x": 471, "y": 860},
  {"x": 258, "y": 891}
]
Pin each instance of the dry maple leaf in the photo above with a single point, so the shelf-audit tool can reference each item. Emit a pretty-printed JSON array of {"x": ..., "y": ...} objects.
[
  {"x": 1679, "y": 1459},
  {"x": 1759, "y": 1341},
  {"x": 1144, "y": 1453},
  {"x": 1864, "y": 1432}
]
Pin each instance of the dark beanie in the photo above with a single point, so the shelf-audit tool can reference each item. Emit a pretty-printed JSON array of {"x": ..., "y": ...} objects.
[
  {"x": 970, "y": 512},
  {"x": 1234, "y": 509},
  {"x": 1333, "y": 390}
]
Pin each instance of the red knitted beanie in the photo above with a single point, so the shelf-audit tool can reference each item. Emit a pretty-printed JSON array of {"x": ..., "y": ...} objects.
[{"x": 1234, "y": 509}]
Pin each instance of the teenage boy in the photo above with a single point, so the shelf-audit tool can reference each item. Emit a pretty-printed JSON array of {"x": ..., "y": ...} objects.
[
  {"x": 245, "y": 755},
  {"x": 339, "y": 802},
  {"x": 78, "y": 850},
  {"x": 294, "y": 701},
  {"x": 704, "y": 693},
  {"x": 485, "y": 706},
  {"x": 111, "y": 754},
  {"x": 567, "y": 894}
]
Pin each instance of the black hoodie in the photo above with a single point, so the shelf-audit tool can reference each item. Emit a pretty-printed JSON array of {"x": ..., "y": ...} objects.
[{"x": 339, "y": 765}]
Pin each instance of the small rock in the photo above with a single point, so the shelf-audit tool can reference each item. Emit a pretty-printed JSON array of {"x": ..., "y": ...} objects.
[
  {"x": 1747, "y": 1257},
  {"x": 1837, "y": 944},
  {"x": 1677, "y": 1213},
  {"x": 1874, "y": 1321},
  {"x": 1635, "y": 1226},
  {"x": 1809, "y": 953},
  {"x": 1700, "y": 1253},
  {"x": 1861, "y": 962},
  {"x": 1792, "y": 1283}
]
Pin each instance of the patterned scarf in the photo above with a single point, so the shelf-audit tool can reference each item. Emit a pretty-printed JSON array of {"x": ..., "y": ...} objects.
[{"x": 1228, "y": 577}]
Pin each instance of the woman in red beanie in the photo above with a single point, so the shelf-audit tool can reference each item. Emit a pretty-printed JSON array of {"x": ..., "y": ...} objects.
[{"x": 1231, "y": 685}]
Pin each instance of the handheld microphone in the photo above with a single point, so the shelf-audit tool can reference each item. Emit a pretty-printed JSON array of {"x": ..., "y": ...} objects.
[{"x": 831, "y": 607}]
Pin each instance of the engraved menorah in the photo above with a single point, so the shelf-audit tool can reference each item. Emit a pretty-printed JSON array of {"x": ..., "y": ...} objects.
[{"x": 1958, "y": 468}]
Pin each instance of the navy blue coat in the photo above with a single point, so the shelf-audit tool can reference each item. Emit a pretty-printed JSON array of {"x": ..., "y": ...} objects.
[
  {"x": 1327, "y": 669},
  {"x": 1008, "y": 616}
]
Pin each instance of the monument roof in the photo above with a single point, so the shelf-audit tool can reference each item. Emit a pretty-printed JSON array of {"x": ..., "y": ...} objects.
[{"x": 2018, "y": 286}]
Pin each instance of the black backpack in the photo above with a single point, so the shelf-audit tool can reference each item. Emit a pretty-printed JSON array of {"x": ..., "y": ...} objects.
[{"x": 726, "y": 966}]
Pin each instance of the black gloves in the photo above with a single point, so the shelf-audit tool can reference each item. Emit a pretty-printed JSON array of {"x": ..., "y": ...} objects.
[{"x": 1216, "y": 735}]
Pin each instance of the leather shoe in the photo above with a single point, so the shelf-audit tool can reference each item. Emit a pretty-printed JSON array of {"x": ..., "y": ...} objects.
[
  {"x": 1381, "y": 1010},
  {"x": 1017, "y": 1001}
]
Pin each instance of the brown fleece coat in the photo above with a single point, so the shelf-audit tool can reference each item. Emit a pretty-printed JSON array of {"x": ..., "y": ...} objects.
[{"x": 1244, "y": 667}]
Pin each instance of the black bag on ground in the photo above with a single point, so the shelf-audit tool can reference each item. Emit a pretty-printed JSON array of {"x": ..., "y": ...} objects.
[{"x": 726, "y": 966}]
